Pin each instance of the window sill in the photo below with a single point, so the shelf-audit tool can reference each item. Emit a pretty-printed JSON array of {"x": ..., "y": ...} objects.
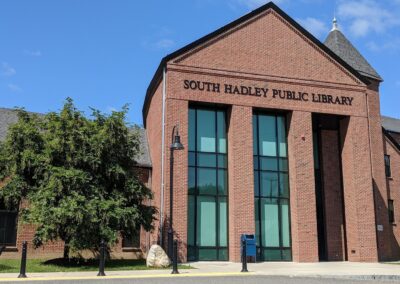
[
  {"x": 389, "y": 178},
  {"x": 131, "y": 250}
]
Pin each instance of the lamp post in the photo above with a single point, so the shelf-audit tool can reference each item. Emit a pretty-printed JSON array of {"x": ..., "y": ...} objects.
[{"x": 176, "y": 145}]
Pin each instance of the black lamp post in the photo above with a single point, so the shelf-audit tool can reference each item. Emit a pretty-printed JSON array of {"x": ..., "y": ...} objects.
[{"x": 176, "y": 145}]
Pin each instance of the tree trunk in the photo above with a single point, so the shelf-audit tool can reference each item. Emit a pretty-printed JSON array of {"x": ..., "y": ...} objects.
[{"x": 66, "y": 250}]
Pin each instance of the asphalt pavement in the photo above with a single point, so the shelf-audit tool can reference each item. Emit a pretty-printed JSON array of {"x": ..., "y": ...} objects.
[{"x": 251, "y": 279}]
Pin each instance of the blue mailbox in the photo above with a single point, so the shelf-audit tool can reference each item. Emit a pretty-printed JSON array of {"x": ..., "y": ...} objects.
[{"x": 251, "y": 246}]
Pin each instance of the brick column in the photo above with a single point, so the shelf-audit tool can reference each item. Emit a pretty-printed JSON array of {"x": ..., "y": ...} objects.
[
  {"x": 302, "y": 188},
  {"x": 333, "y": 201},
  {"x": 382, "y": 194},
  {"x": 358, "y": 194},
  {"x": 177, "y": 114},
  {"x": 241, "y": 180}
]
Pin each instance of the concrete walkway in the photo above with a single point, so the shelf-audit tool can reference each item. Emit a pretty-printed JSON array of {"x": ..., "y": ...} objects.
[{"x": 202, "y": 269}]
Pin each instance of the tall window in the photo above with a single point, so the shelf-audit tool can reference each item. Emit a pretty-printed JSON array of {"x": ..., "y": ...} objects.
[
  {"x": 391, "y": 211},
  {"x": 8, "y": 226},
  {"x": 388, "y": 171},
  {"x": 271, "y": 187},
  {"x": 208, "y": 185}
]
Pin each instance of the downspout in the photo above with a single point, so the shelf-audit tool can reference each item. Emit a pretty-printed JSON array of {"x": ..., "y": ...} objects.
[{"x": 162, "y": 156}]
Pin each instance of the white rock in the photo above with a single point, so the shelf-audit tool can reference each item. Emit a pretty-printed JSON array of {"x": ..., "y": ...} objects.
[{"x": 156, "y": 257}]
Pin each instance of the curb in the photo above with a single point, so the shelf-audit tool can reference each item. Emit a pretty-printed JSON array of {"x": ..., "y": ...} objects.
[{"x": 142, "y": 276}]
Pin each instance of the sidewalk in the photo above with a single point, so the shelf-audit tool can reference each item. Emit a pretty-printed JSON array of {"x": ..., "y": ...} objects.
[{"x": 215, "y": 269}]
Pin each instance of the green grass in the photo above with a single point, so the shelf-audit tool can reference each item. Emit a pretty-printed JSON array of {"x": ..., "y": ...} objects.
[{"x": 75, "y": 265}]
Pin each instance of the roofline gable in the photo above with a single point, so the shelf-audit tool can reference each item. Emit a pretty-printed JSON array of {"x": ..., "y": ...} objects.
[{"x": 159, "y": 72}]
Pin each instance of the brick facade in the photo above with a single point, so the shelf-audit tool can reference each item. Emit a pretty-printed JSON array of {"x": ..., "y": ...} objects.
[{"x": 266, "y": 51}]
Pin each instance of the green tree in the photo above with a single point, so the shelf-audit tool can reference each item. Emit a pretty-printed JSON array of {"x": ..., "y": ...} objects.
[{"x": 75, "y": 177}]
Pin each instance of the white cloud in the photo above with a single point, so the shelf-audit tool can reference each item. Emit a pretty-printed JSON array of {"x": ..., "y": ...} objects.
[
  {"x": 14, "y": 88},
  {"x": 7, "y": 70},
  {"x": 367, "y": 16},
  {"x": 388, "y": 46},
  {"x": 165, "y": 43},
  {"x": 316, "y": 27},
  {"x": 34, "y": 53}
]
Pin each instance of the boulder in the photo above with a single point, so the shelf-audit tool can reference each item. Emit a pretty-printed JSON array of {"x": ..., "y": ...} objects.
[{"x": 156, "y": 257}]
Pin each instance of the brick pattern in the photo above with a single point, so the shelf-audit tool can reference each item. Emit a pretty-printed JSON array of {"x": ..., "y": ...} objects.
[
  {"x": 358, "y": 194},
  {"x": 378, "y": 169},
  {"x": 393, "y": 184},
  {"x": 267, "y": 52},
  {"x": 178, "y": 114},
  {"x": 241, "y": 186},
  {"x": 333, "y": 200},
  {"x": 302, "y": 188}
]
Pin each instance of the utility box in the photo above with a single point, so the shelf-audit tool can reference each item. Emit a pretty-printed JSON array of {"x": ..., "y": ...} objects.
[{"x": 251, "y": 246}]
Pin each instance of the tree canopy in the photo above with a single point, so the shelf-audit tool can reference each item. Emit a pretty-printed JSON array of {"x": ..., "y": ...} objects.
[{"x": 75, "y": 176}]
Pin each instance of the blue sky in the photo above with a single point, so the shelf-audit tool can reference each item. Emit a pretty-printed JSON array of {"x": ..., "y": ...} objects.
[{"x": 103, "y": 53}]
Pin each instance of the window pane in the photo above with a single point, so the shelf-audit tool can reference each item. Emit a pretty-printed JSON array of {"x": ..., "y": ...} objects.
[
  {"x": 272, "y": 254},
  {"x": 270, "y": 230},
  {"x": 267, "y": 135},
  {"x": 192, "y": 159},
  {"x": 287, "y": 254},
  {"x": 222, "y": 163},
  {"x": 257, "y": 217},
  {"x": 207, "y": 181},
  {"x": 223, "y": 254},
  {"x": 285, "y": 223},
  {"x": 269, "y": 164},
  {"x": 283, "y": 165},
  {"x": 206, "y": 131},
  {"x": 284, "y": 184},
  {"x": 255, "y": 162},
  {"x": 255, "y": 139},
  {"x": 223, "y": 223},
  {"x": 269, "y": 184},
  {"x": 281, "y": 121},
  {"x": 208, "y": 254},
  {"x": 192, "y": 180},
  {"x": 222, "y": 182},
  {"x": 206, "y": 223},
  {"x": 206, "y": 160},
  {"x": 191, "y": 220},
  {"x": 221, "y": 126},
  {"x": 256, "y": 185},
  {"x": 192, "y": 129}
]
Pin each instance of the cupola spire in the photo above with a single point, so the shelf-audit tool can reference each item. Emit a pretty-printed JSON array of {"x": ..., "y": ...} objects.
[{"x": 335, "y": 25}]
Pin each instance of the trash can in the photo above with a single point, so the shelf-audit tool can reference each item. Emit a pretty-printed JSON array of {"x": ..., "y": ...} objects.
[{"x": 251, "y": 248}]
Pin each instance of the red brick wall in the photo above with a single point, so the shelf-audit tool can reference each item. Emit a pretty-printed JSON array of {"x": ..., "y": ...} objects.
[
  {"x": 333, "y": 201},
  {"x": 393, "y": 184},
  {"x": 154, "y": 136},
  {"x": 358, "y": 194},
  {"x": 302, "y": 188},
  {"x": 241, "y": 178},
  {"x": 267, "y": 52}
]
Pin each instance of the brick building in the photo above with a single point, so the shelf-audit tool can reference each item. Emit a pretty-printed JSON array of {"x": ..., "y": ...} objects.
[{"x": 283, "y": 138}]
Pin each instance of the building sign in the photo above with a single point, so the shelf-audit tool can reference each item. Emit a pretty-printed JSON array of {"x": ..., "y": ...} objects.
[{"x": 266, "y": 92}]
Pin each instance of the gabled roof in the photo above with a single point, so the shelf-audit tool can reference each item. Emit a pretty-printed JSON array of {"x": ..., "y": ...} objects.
[
  {"x": 340, "y": 45},
  {"x": 9, "y": 117},
  {"x": 391, "y": 124},
  {"x": 158, "y": 74}
]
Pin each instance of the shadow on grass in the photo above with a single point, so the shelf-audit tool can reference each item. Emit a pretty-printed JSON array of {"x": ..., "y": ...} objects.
[{"x": 93, "y": 263}]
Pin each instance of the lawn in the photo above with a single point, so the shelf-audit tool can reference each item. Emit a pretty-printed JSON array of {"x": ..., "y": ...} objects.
[{"x": 59, "y": 265}]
